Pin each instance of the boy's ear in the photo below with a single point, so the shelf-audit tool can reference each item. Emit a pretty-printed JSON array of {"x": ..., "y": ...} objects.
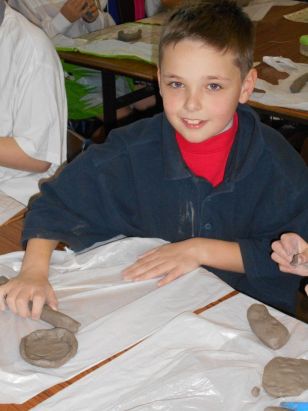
[
  {"x": 158, "y": 79},
  {"x": 248, "y": 85}
]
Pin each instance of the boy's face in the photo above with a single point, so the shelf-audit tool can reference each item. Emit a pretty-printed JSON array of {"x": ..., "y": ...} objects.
[{"x": 201, "y": 88}]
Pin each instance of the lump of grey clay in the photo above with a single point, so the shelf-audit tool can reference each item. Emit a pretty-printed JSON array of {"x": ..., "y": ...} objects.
[
  {"x": 58, "y": 319},
  {"x": 299, "y": 83},
  {"x": 284, "y": 377},
  {"x": 266, "y": 327},
  {"x": 255, "y": 391},
  {"x": 48, "y": 348},
  {"x": 129, "y": 35}
]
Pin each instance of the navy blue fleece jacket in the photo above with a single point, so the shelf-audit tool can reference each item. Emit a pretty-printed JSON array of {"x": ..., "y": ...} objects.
[{"x": 137, "y": 184}]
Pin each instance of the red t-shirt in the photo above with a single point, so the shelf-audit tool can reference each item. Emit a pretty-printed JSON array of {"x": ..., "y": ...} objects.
[{"x": 208, "y": 159}]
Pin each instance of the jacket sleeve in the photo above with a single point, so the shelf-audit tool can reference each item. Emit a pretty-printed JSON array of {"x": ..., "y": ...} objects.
[
  {"x": 284, "y": 208},
  {"x": 93, "y": 199}
]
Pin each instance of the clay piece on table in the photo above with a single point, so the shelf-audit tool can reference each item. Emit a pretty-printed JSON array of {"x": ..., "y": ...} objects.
[
  {"x": 129, "y": 35},
  {"x": 58, "y": 319},
  {"x": 284, "y": 377},
  {"x": 266, "y": 327},
  {"x": 255, "y": 391},
  {"x": 299, "y": 83},
  {"x": 48, "y": 348}
]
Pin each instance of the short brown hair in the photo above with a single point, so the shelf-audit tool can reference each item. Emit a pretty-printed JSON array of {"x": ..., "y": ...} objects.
[{"x": 220, "y": 24}]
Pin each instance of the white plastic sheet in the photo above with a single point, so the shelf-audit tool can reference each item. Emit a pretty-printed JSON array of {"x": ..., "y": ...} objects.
[
  {"x": 114, "y": 314},
  {"x": 280, "y": 95},
  {"x": 209, "y": 362},
  {"x": 257, "y": 9},
  {"x": 8, "y": 207}
]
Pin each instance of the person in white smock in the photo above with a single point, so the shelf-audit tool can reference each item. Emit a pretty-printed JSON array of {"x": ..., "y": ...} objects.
[{"x": 33, "y": 109}]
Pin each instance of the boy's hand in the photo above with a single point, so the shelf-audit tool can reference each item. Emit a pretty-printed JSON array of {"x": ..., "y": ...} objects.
[
  {"x": 21, "y": 290},
  {"x": 291, "y": 254},
  {"x": 170, "y": 261}
]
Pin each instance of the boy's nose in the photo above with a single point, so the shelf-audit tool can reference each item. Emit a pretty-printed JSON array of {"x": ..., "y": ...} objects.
[{"x": 193, "y": 101}]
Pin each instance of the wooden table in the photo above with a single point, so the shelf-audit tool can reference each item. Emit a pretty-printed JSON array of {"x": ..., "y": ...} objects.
[
  {"x": 275, "y": 36},
  {"x": 10, "y": 234},
  {"x": 109, "y": 68}
]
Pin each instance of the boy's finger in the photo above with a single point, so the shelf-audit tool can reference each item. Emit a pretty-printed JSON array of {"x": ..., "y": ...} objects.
[
  {"x": 303, "y": 257},
  {"x": 2, "y": 301},
  {"x": 279, "y": 259},
  {"x": 52, "y": 301},
  {"x": 154, "y": 271},
  {"x": 171, "y": 276},
  {"x": 147, "y": 253},
  {"x": 139, "y": 267},
  {"x": 289, "y": 242},
  {"x": 22, "y": 307},
  {"x": 279, "y": 249},
  {"x": 37, "y": 306}
]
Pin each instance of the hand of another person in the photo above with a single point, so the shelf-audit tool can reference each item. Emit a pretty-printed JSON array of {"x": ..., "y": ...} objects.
[
  {"x": 170, "y": 260},
  {"x": 26, "y": 288},
  {"x": 291, "y": 254},
  {"x": 73, "y": 10},
  {"x": 90, "y": 13}
]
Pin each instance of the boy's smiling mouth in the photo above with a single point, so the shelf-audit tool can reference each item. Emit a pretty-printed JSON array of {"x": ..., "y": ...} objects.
[{"x": 190, "y": 123}]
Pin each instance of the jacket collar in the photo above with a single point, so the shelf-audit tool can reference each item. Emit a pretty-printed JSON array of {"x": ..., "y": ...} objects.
[
  {"x": 244, "y": 156},
  {"x": 247, "y": 147},
  {"x": 174, "y": 166}
]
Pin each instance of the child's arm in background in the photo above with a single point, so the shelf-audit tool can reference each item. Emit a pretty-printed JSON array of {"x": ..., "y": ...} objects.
[
  {"x": 12, "y": 156},
  {"x": 176, "y": 259},
  {"x": 32, "y": 282}
]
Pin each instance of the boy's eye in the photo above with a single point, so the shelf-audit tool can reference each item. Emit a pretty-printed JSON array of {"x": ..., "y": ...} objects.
[
  {"x": 214, "y": 87},
  {"x": 176, "y": 84}
]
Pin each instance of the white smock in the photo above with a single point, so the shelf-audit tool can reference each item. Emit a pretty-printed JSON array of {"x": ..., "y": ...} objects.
[
  {"x": 46, "y": 14},
  {"x": 33, "y": 107},
  {"x": 152, "y": 7}
]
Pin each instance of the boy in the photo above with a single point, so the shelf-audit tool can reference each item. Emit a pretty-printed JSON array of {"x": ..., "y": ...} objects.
[
  {"x": 33, "y": 113},
  {"x": 205, "y": 175}
]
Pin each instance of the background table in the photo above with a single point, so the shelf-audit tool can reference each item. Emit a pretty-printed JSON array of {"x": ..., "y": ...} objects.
[{"x": 275, "y": 36}]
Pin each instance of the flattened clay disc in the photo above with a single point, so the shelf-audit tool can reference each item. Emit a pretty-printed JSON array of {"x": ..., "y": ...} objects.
[
  {"x": 48, "y": 348},
  {"x": 283, "y": 377}
]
